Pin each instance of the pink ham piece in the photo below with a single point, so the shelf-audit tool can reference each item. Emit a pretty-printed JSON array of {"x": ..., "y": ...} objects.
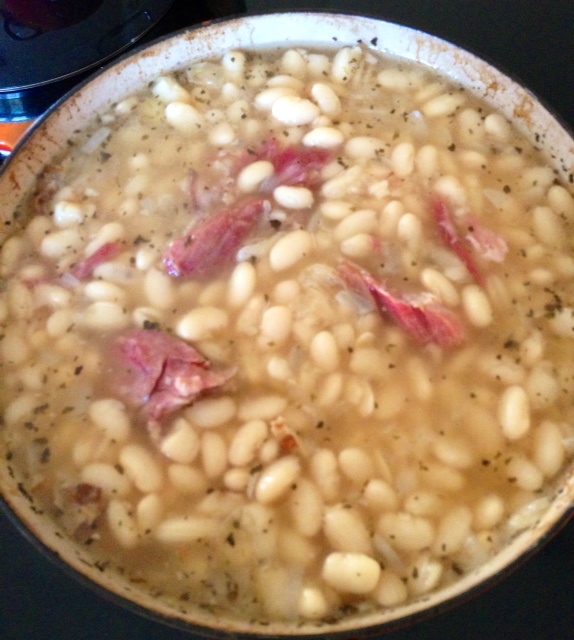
[
  {"x": 426, "y": 322},
  {"x": 162, "y": 373},
  {"x": 294, "y": 166},
  {"x": 451, "y": 237},
  {"x": 488, "y": 244},
  {"x": 105, "y": 253},
  {"x": 211, "y": 245}
]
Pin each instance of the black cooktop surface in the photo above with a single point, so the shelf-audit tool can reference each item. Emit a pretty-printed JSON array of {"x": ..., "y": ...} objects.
[{"x": 531, "y": 40}]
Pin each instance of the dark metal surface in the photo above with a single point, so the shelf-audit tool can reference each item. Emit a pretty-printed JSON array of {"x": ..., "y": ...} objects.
[{"x": 532, "y": 41}]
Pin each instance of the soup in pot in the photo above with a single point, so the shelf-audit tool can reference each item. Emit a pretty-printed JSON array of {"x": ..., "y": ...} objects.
[{"x": 289, "y": 335}]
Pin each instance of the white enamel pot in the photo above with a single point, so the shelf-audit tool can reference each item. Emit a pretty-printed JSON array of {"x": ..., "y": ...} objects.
[{"x": 49, "y": 136}]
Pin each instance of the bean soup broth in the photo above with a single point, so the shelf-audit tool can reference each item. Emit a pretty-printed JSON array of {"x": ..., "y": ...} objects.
[{"x": 288, "y": 335}]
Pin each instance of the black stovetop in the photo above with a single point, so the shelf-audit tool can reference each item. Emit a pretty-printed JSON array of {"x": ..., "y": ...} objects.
[{"x": 531, "y": 40}]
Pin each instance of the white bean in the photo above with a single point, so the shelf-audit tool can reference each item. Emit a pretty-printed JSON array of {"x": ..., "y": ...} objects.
[
  {"x": 325, "y": 351},
  {"x": 380, "y": 496},
  {"x": 184, "y": 117},
  {"x": 306, "y": 508},
  {"x": 234, "y": 64},
  {"x": 276, "y": 324},
  {"x": 342, "y": 183},
  {"x": 403, "y": 159},
  {"x": 168, "y": 89},
  {"x": 424, "y": 503},
  {"x": 182, "y": 443},
  {"x": 14, "y": 348},
  {"x": 122, "y": 523},
  {"x": 149, "y": 512},
  {"x": 222, "y": 134},
  {"x": 335, "y": 209},
  {"x": 202, "y": 323},
  {"x": 294, "y": 111},
  {"x": 405, "y": 531},
  {"x": 547, "y": 226},
  {"x": 454, "y": 451},
  {"x": 452, "y": 531},
  {"x": 514, "y": 412},
  {"x": 262, "y": 407},
  {"x": 237, "y": 480},
  {"x": 293, "y": 63},
  {"x": 286, "y": 80},
  {"x": 548, "y": 450},
  {"x": 326, "y": 98},
  {"x": 443, "y": 105},
  {"x": 488, "y": 512},
  {"x": 70, "y": 214},
  {"x": 410, "y": 231},
  {"x": 524, "y": 473},
  {"x": 345, "y": 63},
  {"x": 561, "y": 200},
  {"x": 436, "y": 282},
  {"x": 19, "y": 409},
  {"x": 356, "y": 464},
  {"x": 351, "y": 572},
  {"x": 362, "y": 221},
  {"x": 312, "y": 603},
  {"x": 391, "y": 590},
  {"x": 106, "y": 477},
  {"x": 364, "y": 147},
  {"x": 187, "y": 480},
  {"x": 213, "y": 454},
  {"x": 324, "y": 137},
  {"x": 141, "y": 467},
  {"x": 476, "y": 305},
  {"x": 424, "y": 574},
  {"x": 104, "y": 316},
  {"x": 20, "y": 301},
  {"x": 10, "y": 253},
  {"x": 325, "y": 472},
  {"x": 277, "y": 479},
  {"x": 358, "y": 246},
  {"x": 186, "y": 529},
  {"x": 497, "y": 127},
  {"x": 101, "y": 290},
  {"x": 290, "y": 249},
  {"x": 58, "y": 243},
  {"x": 159, "y": 289},
  {"x": 242, "y": 284},
  {"x": 253, "y": 175},
  {"x": 346, "y": 530},
  {"x": 208, "y": 413},
  {"x": 427, "y": 160},
  {"x": 109, "y": 232},
  {"x": 265, "y": 99},
  {"x": 291, "y": 197},
  {"x": 246, "y": 442},
  {"x": 111, "y": 417},
  {"x": 398, "y": 79}
]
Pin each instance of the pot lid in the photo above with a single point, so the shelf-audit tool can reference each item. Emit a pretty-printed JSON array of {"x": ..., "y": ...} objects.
[{"x": 44, "y": 41}]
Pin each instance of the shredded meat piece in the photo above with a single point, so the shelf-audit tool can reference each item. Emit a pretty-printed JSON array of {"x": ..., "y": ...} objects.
[
  {"x": 423, "y": 319},
  {"x": 294, "y": 165},
  {"x": 81, "y": 506},
  {"x": 108, "y": 251},
  {"x": 211, "y": 245},
  {"x": 161, "y": 373},
  {"x": 487, "y": 244}
]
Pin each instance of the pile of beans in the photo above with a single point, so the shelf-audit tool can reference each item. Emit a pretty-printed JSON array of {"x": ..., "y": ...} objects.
[{"x": 349, "y": 463}]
